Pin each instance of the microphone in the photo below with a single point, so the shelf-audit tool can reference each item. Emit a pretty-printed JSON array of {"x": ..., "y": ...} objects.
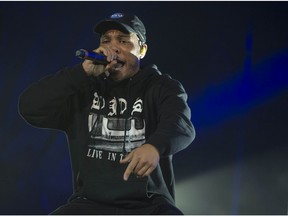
[{"x": 95, "y": 57}]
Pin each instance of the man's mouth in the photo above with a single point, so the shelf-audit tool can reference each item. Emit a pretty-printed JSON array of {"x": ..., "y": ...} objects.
[{"x": 118, "y": 65}]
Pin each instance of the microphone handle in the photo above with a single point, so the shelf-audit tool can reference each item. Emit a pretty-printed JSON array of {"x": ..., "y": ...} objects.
[{"x": 95, "y": 57}]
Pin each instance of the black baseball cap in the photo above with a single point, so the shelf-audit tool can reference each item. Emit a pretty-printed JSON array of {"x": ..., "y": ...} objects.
[{"x": 123, "y": 22}]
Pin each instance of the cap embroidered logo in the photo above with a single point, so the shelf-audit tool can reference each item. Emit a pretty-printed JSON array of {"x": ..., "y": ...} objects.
[{"x": 117, "y": 15}]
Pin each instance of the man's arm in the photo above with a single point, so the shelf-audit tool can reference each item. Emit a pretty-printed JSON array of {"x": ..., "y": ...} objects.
[
  {"x": 174, "y": 132},
  {"x": 46, "y": 103}
]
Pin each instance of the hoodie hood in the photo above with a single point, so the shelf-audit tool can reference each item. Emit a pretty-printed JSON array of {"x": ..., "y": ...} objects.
[{"x": 143, "y": 74}]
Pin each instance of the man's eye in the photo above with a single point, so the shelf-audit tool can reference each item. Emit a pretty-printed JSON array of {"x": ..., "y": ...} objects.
[
  {"x": 123, "y": 41},
  {"x": 104, "y": 41}
]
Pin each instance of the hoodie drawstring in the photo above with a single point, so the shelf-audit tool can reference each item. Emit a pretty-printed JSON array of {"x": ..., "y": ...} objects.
[{"x": 127, "y": 116}]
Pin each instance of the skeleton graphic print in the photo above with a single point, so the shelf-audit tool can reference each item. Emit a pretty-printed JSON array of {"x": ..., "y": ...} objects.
[{"x": 107, "y": 131}]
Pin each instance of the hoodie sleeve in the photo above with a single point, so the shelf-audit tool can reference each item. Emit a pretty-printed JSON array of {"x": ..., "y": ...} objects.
[
  {"x": 175, "y": 130},
  {"x": 45, "y": 104}
]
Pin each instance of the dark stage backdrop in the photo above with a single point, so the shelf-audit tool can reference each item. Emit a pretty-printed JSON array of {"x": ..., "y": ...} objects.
[{"x": 232, "y": 58}]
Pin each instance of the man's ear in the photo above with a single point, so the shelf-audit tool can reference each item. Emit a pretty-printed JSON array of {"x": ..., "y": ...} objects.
[{"x": 143, "y": 50}]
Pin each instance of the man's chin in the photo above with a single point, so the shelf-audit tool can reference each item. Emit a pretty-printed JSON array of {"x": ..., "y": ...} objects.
[{"x": 116, "y": 75}]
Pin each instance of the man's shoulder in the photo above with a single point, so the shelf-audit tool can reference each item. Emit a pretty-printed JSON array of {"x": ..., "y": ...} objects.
[{"x": 160, "y": 79}]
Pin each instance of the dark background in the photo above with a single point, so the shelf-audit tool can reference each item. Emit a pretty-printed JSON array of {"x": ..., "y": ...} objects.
[{"x": 231, "y": 57}]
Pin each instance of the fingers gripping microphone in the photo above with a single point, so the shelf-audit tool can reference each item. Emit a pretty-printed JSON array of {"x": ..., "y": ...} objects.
[{"x": 95, "y": 57}]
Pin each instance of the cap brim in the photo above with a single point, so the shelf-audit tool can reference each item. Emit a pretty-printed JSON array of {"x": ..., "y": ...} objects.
[{"x": 106, "y": 25}]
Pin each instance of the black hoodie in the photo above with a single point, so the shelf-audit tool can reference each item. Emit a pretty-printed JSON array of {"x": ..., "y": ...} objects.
[{"x": 104, "y": 120}]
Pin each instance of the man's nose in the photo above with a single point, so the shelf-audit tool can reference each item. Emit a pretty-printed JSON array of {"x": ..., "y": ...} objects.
[{"x": 115, "y": 47}]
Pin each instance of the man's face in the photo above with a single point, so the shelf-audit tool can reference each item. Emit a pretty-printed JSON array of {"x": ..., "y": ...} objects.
[{"x": 127, "y": 49}]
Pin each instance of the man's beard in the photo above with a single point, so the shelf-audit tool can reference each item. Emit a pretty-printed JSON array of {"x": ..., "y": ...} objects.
[{"x": 131, "y": 68}]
